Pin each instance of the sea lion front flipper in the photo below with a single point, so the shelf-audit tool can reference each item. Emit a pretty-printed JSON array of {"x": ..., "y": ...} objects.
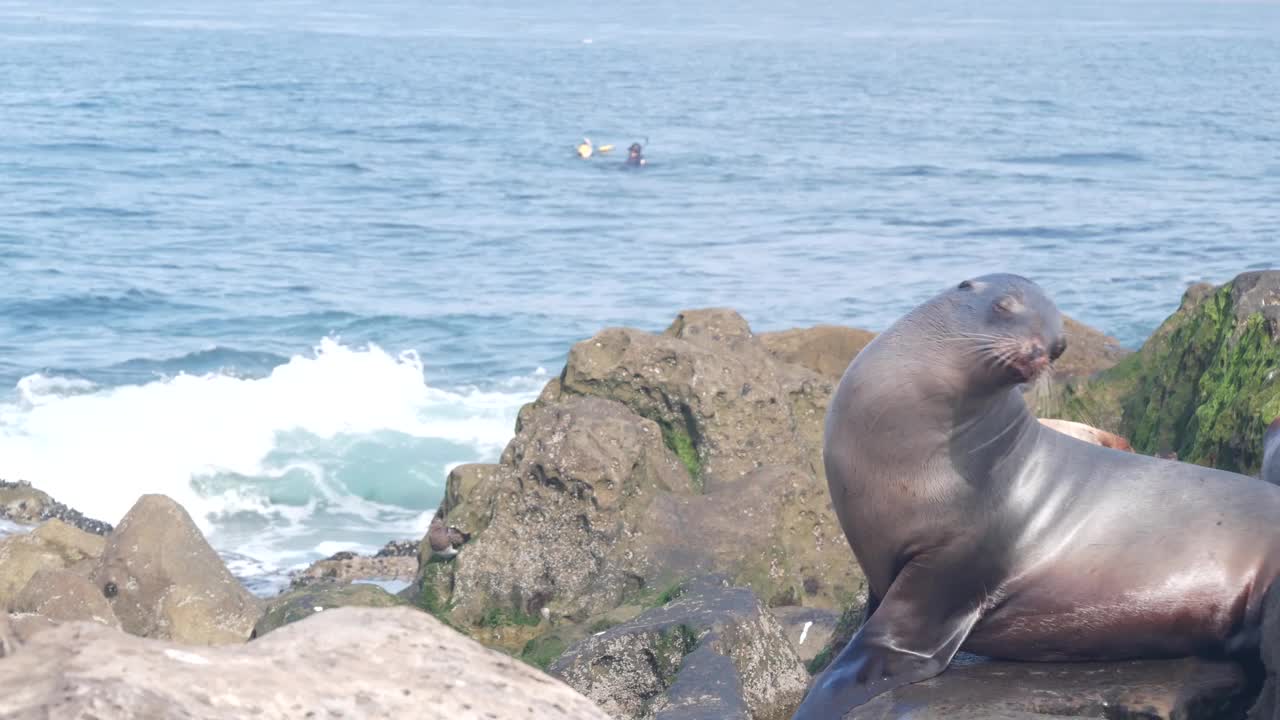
[{"x": 910, "y": 637}]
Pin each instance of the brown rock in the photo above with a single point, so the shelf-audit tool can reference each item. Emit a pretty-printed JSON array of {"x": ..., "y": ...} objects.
[
  {"x": 64, "y": 596},
  {"x": 825, "y": 349},
  {"x": 713, "y": 388},
  {"x": 556, "y": 515},
  {"x": 1089, "y": 351},
  {"x": 164, "y": 581},
  {"x": 654, "y": 458},
  {"x": 349, "y": 662},
  {"x": 973, "y": 689},
  {"x": 54, "y": 546}
]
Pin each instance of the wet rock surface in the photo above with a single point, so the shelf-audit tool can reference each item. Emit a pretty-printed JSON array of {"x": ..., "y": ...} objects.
[
  {"x": 977, "y": 689},
  {"x": 322, "y": 667},
  {"x": 713, "y": 651}
]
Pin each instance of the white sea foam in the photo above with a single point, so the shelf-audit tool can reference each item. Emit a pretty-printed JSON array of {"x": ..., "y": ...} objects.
[{"x": 351, "y": 443}]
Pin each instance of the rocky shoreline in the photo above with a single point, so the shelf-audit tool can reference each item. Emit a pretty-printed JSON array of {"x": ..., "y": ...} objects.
[{"x": 656, "y": 541}]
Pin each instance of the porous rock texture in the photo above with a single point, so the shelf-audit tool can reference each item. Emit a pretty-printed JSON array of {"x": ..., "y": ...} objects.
[{"x": 712, "y": 652}]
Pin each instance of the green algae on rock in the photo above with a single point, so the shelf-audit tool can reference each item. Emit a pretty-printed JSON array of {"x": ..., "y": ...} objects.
[{"x": 1204, "y": 386}]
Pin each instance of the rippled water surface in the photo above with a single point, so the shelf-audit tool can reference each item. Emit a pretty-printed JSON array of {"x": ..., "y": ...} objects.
[{"x": 193, "y": 196}]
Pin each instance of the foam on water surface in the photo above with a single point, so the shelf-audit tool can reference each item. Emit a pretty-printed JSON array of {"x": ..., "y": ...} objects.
[{"x": 342, "y": 448}]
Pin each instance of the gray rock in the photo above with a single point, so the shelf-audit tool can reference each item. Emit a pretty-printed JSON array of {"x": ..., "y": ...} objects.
[
  {"x": 304, "y": 602},
  {"x": 349, "y": 567},
  {"x": 1258, "y": 292},
  {"x": 808, "y": 629},
  {"x": 164, "y": 581},
  {"x": 64, "y": 596},
  {"x": 977, "y": 689},
  {"x": 552, "y": 526},
  {"x": 344, "y": 663},
  {"x": 713, "y": 652}
]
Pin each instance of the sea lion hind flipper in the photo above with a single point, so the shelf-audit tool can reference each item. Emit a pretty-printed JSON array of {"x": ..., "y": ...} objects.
[{"x": 911, "y": 636}]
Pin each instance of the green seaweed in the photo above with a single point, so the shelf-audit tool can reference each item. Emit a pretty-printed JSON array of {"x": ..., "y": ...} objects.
[
  {"x": 658, "y": 598},
  {"x": 680, "y": 443}
]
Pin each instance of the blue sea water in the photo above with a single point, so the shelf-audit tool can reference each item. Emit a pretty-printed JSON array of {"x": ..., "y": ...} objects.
[{"x": 289, "y": 261}]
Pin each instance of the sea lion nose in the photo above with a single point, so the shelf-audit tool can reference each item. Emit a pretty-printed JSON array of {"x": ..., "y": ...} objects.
[{"x": 1058, "y": 348}]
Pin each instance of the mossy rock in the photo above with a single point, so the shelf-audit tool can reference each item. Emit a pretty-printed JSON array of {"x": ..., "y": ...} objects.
[
  {"x": 1204, "y": 386},
  {"x": 307, "y": 601},
  {"x": 541, "y": 651}
]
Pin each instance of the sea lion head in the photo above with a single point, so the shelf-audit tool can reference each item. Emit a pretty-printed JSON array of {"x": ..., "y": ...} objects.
[{"x": 1006, "y": 328}]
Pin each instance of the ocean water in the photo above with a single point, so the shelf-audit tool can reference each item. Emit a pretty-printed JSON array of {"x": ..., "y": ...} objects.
[{"x": 290, "y": 261}]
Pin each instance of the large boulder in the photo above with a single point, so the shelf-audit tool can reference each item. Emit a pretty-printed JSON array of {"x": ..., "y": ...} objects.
[
  {"x": 1204, "y": 386},
  {"x": 24, "y": 504},
  {"x": 724, "y": 403},
  {"x": 651, "y": 459},
  {"x": 303, "y": 602},
  {"x": 52, "y": 546},
  {"x": 164, "y": 580},
  {"x": 64, "y": 596},
  {"x": 350, "y": 662},
  {"x": 712, "y": 652},
  {"x": 976, "y": 689}
]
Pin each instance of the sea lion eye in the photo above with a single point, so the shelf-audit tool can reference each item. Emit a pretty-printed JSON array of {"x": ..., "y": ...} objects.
[
  {"x": 1008, "y": 304},
  {"x": 966, "y": 285}
]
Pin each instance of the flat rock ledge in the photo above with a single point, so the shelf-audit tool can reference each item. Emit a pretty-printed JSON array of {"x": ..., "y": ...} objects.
[{"x": 343, "y": 663}]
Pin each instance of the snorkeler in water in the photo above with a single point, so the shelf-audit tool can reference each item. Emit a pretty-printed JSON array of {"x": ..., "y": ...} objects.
[{"x": 635, "y": 156}]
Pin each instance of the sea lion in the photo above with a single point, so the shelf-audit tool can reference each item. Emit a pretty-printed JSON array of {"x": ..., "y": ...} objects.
[
  {"x": 1271, "y": 453},
  {"x": 1088, "y": 433},
  {"x": 980, "y": 528}
]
